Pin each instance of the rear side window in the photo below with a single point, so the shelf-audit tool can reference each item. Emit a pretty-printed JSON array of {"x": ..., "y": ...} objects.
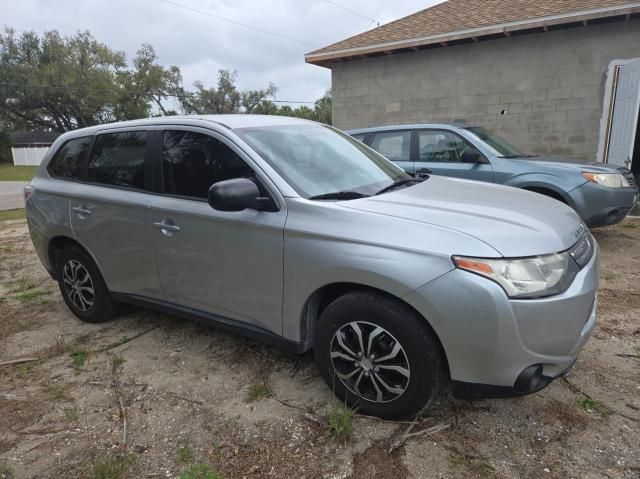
[
  {"x": 192, "y": 162},
  {"x": 117, "y": 159},
  {"x": 395, "y": 145},
  {"x": 68, "y": 163}
]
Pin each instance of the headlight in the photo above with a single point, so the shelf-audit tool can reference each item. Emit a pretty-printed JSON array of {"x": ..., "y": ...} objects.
[
  {"x": 612, "y": 180},
  {"x": 527, "y": 277}
]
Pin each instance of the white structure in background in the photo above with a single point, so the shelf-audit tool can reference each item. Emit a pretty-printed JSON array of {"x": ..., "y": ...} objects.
[{"x": 29, "y": 147}]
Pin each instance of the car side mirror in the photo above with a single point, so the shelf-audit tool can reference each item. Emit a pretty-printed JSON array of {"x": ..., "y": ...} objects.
[
  {"x": 234, "y": 195},
  {"x": 472, "y": 156}
]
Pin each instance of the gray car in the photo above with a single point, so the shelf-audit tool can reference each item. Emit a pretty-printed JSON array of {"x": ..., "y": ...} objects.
[
  {"x": 600, "y": 194},
  {"x": 294, "y": 233}
]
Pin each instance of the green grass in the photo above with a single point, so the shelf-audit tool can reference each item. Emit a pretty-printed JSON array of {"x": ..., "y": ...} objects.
[
  {"x": 117, "y": 360},
  {"x": 12, "y": 215},
  {"x": 78, "y": 358},
  {"x": 200, "y": 471},
  {"x": 185, "y": 454},
  {"x": 71, "y": 413},
  {"x": 340, "y": 422},
  {"x": 58, "y": 393},
  {"x": 36, "y": 294},
  {"x": 17, "y": 173},
  {"x": 591, "y": 405},
  {"x": 630, "y": 225},
  {"x": 23, "y": 283},
  {"x": 257, "y": 392},
  {"x": 110, "y": 467}
]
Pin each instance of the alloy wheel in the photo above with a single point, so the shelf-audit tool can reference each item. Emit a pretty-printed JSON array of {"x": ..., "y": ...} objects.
[
  {"x": 78, "y": 285},
  {"x": 370, "y": 362}
]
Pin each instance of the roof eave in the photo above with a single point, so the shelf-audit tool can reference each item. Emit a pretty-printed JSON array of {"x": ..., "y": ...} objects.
[{"x": 325, "y": 58}]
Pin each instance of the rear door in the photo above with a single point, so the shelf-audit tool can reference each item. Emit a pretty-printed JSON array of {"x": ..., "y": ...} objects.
[
  {"x": 441, "y": 152},
  {"x": 110, "y": 213},
  {"x": 396, "y": 146},
  {"x": 625, "y": 115},
  {"x": 224, "y": 263}
]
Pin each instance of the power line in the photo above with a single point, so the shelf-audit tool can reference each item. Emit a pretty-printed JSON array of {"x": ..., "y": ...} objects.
[
  {"x": 133, "y": 93},
  {"x": 228, "y": 20},
  {"x": 372, "y": 20}
]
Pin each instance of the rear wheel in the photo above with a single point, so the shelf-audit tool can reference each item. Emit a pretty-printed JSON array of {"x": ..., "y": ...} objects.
[
  {"x": 82, "y": 286},
  {"x": 378, "y": 355}
]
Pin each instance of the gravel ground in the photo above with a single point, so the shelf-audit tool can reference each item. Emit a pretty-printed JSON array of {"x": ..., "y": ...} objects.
[{"x": 196, "y": 395}]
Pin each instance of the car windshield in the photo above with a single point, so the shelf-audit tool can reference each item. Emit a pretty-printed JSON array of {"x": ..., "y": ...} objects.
[
  {"x": 500, "y": 145},
  {"x": 320, "y": 162}
]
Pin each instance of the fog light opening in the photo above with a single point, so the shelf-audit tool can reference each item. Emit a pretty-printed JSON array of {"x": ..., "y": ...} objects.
[{"x": 530, "y": 379}]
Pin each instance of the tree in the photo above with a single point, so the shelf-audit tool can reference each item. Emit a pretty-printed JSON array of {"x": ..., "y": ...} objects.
[
  {"x": 61, "y": 83},
  {"x": 321, "y": 110},
  {"x": 225, "y": 97}
]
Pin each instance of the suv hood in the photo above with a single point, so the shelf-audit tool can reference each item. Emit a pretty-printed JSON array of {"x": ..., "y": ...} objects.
[
  {"x": 572, "y": 164},
  {"x": 514, "y": 222}
]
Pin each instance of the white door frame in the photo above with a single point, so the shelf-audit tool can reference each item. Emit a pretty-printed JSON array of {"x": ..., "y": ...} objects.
[{"x": 609, "y": 100}]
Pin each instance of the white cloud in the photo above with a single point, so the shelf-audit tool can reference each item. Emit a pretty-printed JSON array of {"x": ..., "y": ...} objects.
[{"x": 200, "y": 45}]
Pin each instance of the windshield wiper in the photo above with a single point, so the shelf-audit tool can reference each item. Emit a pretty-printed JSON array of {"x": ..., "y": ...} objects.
[
  {"x": 398, "y": 183},
  {"x": 513, "y": 157},
  {"x": 339, "y": 195}
]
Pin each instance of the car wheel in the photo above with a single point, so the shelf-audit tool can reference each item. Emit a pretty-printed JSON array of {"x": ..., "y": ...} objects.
[
  {"x": 82, "y": 286},
  {"x": 378, "y": 355}
]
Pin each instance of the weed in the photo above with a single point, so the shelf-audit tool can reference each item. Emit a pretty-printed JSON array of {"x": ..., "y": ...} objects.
[
  {"x": 200, "y": 471},
  {"x": 340, "y": 425},
  {"x": 630, "y": 226},
  {"x": 457, "y": 460},
  {"x": 78, "y": 358},
  {"x": 590, "y": 405},
  {"x": 565, "y": 413},
  {"x": 31, "y": 295},
  {"x": 184, "y": 454},
  {"x": 23, "y": 369},
  {"x": 71, "y": 413},
  {"x": 609, "y": 277},
  {"x": 484, "y": 469},
  {"x": 117, "y": 360},
  {"x": 23, "y": 283},
  {"x": 58, "y": 393},
  {"x": 111, "y": 467},
  {"x": 257, "y": 392}
]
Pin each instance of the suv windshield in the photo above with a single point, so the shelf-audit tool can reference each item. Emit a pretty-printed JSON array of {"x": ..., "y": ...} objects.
[
  {"x": 502, "y": 146},
  {"x": 320, "y": 162}
]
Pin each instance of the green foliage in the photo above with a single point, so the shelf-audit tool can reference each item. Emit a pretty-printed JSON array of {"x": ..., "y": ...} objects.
[
  {"x": 200, "y": 471},
  {"x": 590, "y": 405},
  {"x": 71, "y": 413},
  {"x": 33, "y": 295},
  {"x": 111, "y": 467},
  {"x": 76, "y": 81},
  {"x": 340, "y": 422},
  {"x": 5, "y": 150},
  {"x": 24, "y": 283},
  {"x": 78, "y": 358},
  {"x": 185, "y": 454},
  {"x": 257, "y": 392},
  {"x": 117, "y": 360},
  {"x": 321, "y": 112}
]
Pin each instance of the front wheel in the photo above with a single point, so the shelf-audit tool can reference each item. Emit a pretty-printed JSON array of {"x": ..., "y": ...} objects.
[{"x": 378, "y": 355}]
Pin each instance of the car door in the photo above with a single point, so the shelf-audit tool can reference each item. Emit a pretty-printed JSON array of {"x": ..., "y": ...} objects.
[
  {"x": 110, "y": 213},
  {"x": 225, "y": 263},
  {"x": 441, "y": 152},
  {"x": 396, "y": 146}
]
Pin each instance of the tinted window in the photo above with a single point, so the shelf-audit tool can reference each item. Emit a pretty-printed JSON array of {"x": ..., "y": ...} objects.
[
  {"x": 440, "y": 146},
  {"x": 395, "y": 145},
  {"x": 69, "y": 161},
  {"x": 359, "y": 136},
  {"x": 192, "y": 162},
  {"x": 118, "y": 159}
]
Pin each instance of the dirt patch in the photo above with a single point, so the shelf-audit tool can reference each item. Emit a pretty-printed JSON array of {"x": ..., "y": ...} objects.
[{"x": 186, "y": 392}]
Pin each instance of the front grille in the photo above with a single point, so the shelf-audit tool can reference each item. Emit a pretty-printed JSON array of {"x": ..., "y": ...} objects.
[
  {"x": 583, "y": 250},
  {"x": 630, "y": 178}
]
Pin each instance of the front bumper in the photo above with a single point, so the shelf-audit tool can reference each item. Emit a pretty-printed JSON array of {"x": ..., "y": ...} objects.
[
  {"x": 599, "y": 205},
  {"x": 494, "y": 344}
]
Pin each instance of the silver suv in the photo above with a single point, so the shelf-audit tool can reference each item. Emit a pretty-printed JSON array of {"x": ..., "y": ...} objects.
[{"x": 294, "y": 233}]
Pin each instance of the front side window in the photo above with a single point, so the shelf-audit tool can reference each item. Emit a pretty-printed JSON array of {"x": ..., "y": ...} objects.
[
  {"x": 319, "y": 160},
  {"x": 395, "y": 145},
  {"x": 69, "y": 161},
  {"x": 440, "y": 146},
  {"x": 501, "y": 146},
  {"x": 118, "y": 159},
  {"x": 192, "y": 162}
]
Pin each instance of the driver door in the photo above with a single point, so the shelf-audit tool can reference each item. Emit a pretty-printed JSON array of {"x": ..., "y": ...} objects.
[
  {"x": 441, "y": 152},
  {"x": 225, "y": 263}
]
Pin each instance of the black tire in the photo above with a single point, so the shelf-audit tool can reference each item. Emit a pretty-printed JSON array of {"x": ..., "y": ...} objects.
[
  {"x": 419, "y": 346},
  {"x": 102, "y": 307}
]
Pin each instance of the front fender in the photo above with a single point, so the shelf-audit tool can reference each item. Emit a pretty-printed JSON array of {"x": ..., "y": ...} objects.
[{"x": 556, "y": 184}]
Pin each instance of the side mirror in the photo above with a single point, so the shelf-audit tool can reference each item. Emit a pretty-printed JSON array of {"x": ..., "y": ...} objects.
[
  {"x": 472, "y": 156},
  {"x": 234, "y": 195}
]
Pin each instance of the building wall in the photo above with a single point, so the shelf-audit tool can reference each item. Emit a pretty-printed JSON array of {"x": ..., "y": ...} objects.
[{"x": 550, "y": 86}]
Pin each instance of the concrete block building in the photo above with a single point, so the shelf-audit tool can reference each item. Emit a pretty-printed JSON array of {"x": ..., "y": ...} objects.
[{"x": 555, "y": 77}]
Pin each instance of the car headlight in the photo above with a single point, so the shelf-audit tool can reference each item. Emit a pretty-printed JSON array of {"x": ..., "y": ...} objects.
[
  {"x": 534, "y": 277},
  {"x": 612, "y": 180}
]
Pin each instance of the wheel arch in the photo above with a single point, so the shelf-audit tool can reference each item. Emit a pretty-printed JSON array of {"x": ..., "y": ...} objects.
[
  {"x": 325, "y": 295},
  {"x": 55, "y": 247}
]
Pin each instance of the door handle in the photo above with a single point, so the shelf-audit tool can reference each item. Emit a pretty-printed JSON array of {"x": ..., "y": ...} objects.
[
  {"x": 81, "y": 210},
  {"x": 167, "y": 228}
]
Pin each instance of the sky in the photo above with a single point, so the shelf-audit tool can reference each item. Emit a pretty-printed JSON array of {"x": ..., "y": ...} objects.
[{"x": 201, "y": 45}]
